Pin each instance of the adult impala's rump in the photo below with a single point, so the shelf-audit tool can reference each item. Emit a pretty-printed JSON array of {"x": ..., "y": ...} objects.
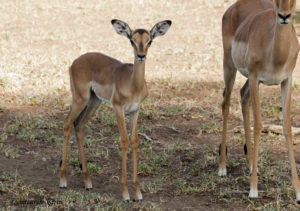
[
  {"x": 259, "y": 40},
  {"x": 97, "y": 78}
]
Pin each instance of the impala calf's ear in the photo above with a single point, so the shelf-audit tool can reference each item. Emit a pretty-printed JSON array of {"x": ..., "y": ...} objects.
[
  {"x": 277, "y": 2},
  {"x": 121, "y": 28},
  {"x": 160, "y": 28}
]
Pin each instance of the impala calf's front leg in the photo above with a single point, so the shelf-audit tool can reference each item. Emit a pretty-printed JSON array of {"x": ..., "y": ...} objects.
[
  {"x": 124, "y": 145},
  {"x": 135, "y": 144},
  {"x": 253, "y": 85},
  {"x": 286, "y": 90}
]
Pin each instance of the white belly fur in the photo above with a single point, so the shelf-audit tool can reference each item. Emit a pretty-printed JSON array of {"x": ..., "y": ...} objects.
[
  {"x": 131, "y": 108},
  {"x": 243, "y": 71},
  {"x": 105, "y": 93},
  {"x": 128, "y": 108},
  {"x": 100, "y": 90},
  {"x": 103, "y": 100},
  {"x": 266, "y": 79},
  {"x": 273, "y": 79},
  {"x": 267, "y": 76}
]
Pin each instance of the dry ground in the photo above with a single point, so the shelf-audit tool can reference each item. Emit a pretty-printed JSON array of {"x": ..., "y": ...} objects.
[{"x": 178, "y": 169}]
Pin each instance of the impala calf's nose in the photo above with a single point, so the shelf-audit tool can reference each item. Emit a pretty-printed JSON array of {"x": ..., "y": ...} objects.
[
  {"x": 141, "y": 58},
  {"x": 284, "y": 19}
]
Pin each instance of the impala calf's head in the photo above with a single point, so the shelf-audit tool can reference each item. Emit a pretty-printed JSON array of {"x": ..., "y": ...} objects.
[
  {"x": 141, "y": 39},
  {"x": 284, "y": 10}
]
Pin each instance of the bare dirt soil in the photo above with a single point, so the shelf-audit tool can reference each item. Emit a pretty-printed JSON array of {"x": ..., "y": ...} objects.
[{"x": 182, "y": 114}]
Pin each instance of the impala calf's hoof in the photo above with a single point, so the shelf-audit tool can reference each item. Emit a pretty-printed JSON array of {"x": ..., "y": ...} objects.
[
  {"x": 253, "y": 194},
  {"x": 298, "y": 198},
  {"x": 222, "y": 172}
]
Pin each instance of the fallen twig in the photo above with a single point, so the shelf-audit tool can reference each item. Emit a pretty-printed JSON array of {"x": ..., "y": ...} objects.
[
  {"x": 276, "y": 129},
  {"x": 146, "y": 137},
  {"x": 171, "y": 128}
]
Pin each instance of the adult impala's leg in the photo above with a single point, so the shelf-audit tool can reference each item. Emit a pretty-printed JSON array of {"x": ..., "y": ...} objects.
[
  {"x": 76, "y": 108},
  {"x": 124, "y": 144},
  {"x": 134, "y": 141},
  {"x": 229, "y": 78},
  {"x": 286, "y": 90},
  {"x": 79, "y": 126},
  {"x": 245, "y": 102},
  {"x": 254, "y": 95}
]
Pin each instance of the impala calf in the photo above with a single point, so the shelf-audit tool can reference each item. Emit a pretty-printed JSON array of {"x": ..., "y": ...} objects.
[
  {"x": 260, "y": 42},
  {"x": 97, "y": 78}
]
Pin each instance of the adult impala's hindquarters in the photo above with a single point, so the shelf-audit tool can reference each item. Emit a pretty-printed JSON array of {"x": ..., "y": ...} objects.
[
  {"x": 260, "y": 42},
  {"x": 97, "y": 78}
]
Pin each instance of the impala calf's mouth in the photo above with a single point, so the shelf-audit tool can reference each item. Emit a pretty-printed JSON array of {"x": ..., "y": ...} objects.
[
  {"x": 140, "y": 58},
  {"x": 284, "y": 19}
]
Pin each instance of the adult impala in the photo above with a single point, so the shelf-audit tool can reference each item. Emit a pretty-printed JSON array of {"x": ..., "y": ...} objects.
[
  {"x": 97, "y": 78},
  {"x": 259, "y": 40}
]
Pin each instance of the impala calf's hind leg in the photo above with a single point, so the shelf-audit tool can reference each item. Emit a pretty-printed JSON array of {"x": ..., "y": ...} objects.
[
  {"x": 76, "y": 109},
  {"x": 79, "y": 126},
  {"x": 134, "y": 141},
  {"x": 245, "y": 102},
  {"x": 229, "y": 78},
  {"x": 286, "y": 90}
]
